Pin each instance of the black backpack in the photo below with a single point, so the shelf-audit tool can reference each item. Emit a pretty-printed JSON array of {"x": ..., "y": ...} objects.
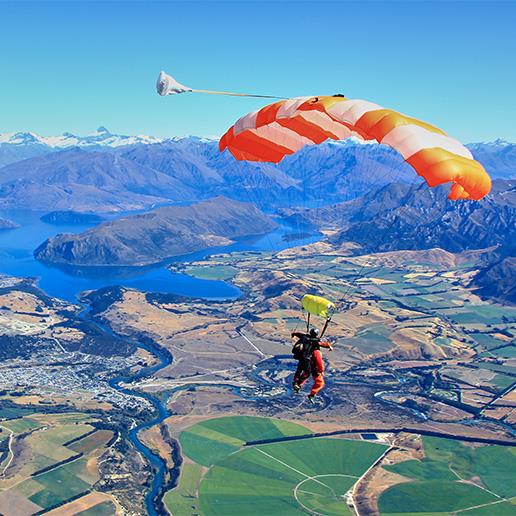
[{"x": 303, "y": 348}]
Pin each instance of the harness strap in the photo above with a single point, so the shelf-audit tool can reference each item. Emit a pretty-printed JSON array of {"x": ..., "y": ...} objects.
[{"x": 323, "y": 331}]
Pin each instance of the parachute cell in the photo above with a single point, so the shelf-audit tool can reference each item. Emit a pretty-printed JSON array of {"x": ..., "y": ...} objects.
[
  {"x": 282, "y": 128},
  {"x": 317, "y": 305}
]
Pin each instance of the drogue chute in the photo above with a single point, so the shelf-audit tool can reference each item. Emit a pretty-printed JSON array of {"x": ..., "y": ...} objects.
[{"x": 167, "y": 85}]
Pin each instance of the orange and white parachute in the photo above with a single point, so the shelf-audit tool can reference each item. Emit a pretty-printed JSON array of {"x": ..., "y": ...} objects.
[{"x": 282, "y": 128}]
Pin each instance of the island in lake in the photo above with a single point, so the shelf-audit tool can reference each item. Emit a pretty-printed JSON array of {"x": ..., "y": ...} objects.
[
  {"x": 152, "y": 237},
  {"x": 71, "y": 217}
]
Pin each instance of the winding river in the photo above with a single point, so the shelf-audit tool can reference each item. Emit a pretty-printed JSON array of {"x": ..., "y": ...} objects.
[{"x": 157, "y": 462}]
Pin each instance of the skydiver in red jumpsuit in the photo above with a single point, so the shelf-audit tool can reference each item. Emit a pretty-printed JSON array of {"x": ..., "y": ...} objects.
[{"x": 311, "y": 362}]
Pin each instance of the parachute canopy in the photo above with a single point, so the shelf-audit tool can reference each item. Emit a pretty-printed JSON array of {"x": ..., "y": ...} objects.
[
  {"x": 317, "y": 305},
  {"x": 282, "y": 128}
]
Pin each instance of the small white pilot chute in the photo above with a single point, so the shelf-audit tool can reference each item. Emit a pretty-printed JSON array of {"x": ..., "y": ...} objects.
[{"x": 167, "y": 85}]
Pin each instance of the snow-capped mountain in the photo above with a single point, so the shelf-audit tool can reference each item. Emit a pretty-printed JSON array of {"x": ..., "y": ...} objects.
[
  {"x": 498, "y": 143},
  {"x": 22, "y": 145},
  {"x": 498, "y": 157},
  {"x": 101, "y": 136}
]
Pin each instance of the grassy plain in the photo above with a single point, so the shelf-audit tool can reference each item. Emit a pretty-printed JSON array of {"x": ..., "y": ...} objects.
[
  {"x": 184, "y": 499},
  {"x": 211, "y": 440},
  {"x": 265, "y": 479},
  {"x": 91, "y": 504},
  {"x": 217, "y": 272}
]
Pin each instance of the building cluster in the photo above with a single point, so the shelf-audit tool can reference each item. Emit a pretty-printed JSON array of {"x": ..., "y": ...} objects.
[{"x": 69, "y": 374}]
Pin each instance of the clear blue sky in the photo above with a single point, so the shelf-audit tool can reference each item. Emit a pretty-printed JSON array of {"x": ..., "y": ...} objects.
[{"x": 75, "y": 65}]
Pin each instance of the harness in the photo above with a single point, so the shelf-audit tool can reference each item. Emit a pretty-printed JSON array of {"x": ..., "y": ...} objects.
[{"x": 304, "y": 348}]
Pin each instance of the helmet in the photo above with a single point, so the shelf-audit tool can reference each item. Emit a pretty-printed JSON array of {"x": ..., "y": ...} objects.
[{"x": 314, "y": 333}]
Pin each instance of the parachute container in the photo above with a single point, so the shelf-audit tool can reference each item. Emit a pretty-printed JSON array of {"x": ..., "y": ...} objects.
[
  {"x": 317, "y": 305},
  {"x": 282, "y": 128}
]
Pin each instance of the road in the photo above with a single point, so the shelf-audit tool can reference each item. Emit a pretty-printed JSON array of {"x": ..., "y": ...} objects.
[{"x": 11, "y": 453}]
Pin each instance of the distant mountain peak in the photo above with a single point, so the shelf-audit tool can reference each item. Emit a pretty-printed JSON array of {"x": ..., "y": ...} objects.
[
  {"x": 103, "y": 130},
  {"x": 499, "y": 142},
  {"x": 20, "y": 138}
]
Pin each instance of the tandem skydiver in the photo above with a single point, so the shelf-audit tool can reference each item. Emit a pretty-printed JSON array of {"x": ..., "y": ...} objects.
[{"x": 307, "y": 350}]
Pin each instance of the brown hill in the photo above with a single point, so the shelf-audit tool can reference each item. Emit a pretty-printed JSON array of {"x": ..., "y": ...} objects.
[{"x": 157, "y": 235}]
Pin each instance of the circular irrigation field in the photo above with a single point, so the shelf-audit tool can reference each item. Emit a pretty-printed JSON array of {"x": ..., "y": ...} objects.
[
  {"x": 302, "y": 476},
  {"x": 324, "y": 495}
]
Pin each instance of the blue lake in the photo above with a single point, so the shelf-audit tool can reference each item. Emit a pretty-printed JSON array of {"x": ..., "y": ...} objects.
[{"x": 16, "y": 259}]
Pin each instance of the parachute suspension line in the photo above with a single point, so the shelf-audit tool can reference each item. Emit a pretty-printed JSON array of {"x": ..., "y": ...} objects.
[
  {"x": 167, "y": 85},
  {"x": 308, "y": 323},
  {"x": 360, "y": 273},
  {"x": 260, "y": 206},
  {"x": 232, "y": 94},
  {"x": 377, "y": 180}
]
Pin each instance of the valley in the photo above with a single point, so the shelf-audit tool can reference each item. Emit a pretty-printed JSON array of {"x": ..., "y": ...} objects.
[{"x": 416, "y": 351}]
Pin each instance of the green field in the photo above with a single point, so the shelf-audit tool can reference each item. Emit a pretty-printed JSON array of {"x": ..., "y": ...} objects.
[
  {"x": 371, "y": 340},
  {"x": 57, "y": 486},
  {"x": 101, "y": 509},
  {"x": 453, "y": 477},
  {"x": 483, "y": 314},
  {"x": 432, "y": 496},
  {"x": 46, "y": 449},
  {"x": 184, "y": 498},
  {"x": 19, "y": 426},
  {"x": 13, "y": 412},
  {"x": 487, "y": 341},
  {"x": 211, "y": 440},
  {"x": 280, "y": 478},
  {"x": 284, "y": 478},
  {"x": 505, "y": 352},
  {"x": 502, "y": 382}
]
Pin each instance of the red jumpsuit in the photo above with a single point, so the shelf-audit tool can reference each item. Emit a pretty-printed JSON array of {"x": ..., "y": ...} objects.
[{"x": 313, "y": 366}]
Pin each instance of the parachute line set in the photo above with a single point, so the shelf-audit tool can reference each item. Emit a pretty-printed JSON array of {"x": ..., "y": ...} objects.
[{"x": 286, "y": 126}]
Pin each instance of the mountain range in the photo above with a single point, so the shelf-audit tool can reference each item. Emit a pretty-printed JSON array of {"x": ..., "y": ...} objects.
[
  {"x": 82, "y": 180},
  {"x": 403, "y": 216},
  {"x": 425, "y": 218},
  {"x": 153, "y": 237},
  {"x": 107, "y": 172}
]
